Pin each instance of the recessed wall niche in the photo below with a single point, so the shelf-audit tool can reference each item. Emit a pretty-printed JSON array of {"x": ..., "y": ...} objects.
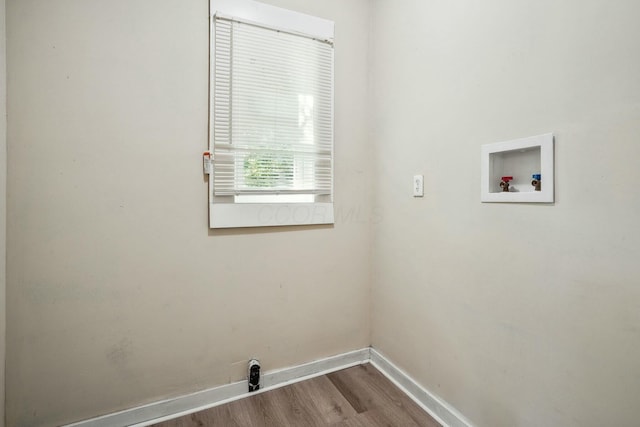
[{"x": 518, "y": 171}]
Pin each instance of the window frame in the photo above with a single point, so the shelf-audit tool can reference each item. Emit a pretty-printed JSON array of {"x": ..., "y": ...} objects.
[{"x": 231, "y": 213}]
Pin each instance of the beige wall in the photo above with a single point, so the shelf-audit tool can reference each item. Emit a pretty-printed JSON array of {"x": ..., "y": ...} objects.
[
  {"x": 118, "y": 294},
  {"x": 518, "y": 315}
]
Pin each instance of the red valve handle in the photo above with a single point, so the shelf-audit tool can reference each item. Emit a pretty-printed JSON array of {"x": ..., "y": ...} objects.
[{"x": 507, "y": 178}]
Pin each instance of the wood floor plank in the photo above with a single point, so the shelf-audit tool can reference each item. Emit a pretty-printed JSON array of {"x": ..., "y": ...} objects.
[
  {"x": 381, "y": 417},
  {"x": 388, "y": 417},
  {"x": 355, "y": 421},
  {"x": 291, "y": 409},
  {"x": 258, "y": 410},
  {"x": 324, "y": 400},
  {"x": 218, "y": 416},
  {"x": 366, "y": 389},
  {"x": 355, "y": 397},
  {"x": 356, "y": 387}
]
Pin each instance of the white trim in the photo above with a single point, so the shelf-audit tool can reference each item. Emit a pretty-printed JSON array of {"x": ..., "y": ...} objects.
[
  {"x": 275, "y": 17},
  {"x": 231, "y": 215},
  {"x": 176, "y": 407},
  {"x": 164, "y": 410},
  {"x": 437, "y": 407}
]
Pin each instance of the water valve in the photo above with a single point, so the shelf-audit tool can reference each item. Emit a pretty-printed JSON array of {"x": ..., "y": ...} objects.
[
  {"x": 536, "y": 182},
  {"x": 505, "y": 183}
]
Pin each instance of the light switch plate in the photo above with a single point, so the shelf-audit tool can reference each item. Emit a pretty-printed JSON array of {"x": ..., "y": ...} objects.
[{"x": 418, "y": 186}]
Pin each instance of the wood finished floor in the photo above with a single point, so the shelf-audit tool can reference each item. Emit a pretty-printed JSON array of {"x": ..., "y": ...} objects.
[{"x": 355, "y": 397}]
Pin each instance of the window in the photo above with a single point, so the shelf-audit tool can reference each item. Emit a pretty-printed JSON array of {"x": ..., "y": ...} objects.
[{"x": 271, "y": 116}]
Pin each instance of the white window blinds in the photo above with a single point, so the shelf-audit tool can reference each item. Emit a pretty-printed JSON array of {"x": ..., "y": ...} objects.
[{"x": 272, "y": 129}]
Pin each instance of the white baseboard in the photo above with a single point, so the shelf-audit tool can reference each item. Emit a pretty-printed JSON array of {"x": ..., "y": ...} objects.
[
  {"x": 444, "y": 413},
  {"x": 172, "y": 408},
  {"x": 156, "y": 412}
]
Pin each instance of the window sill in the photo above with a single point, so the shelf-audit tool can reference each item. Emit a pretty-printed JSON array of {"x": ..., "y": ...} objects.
[{"x": 234, "y": 215}]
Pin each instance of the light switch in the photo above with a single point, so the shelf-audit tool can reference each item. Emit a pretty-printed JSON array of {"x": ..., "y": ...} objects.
[{"x": 418, "y": 186}]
